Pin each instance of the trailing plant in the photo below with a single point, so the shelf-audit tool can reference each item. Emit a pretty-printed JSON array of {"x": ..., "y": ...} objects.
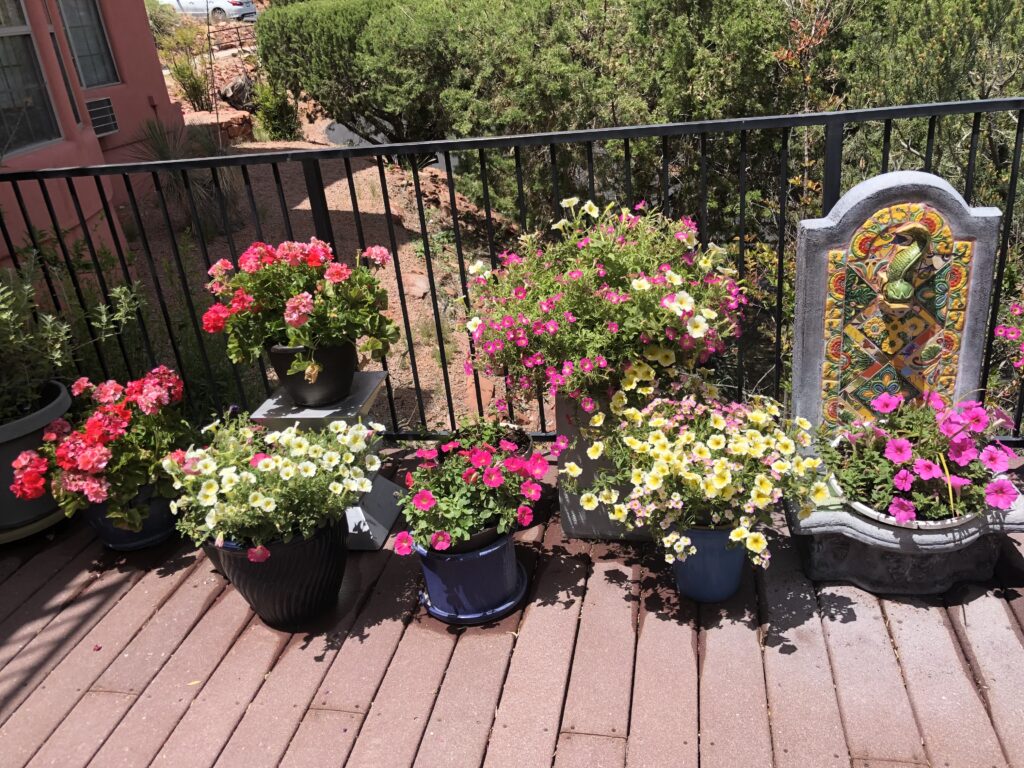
[
  {"x": 463, "y": 486},
  {"x": 621, "y": 298},
  {"x": 112, "y": 450},
  {"x": 252, "y": 487},
  {"x": 694, "y": 461},
  {"x": 922, "y": 459},
  {"x": 297, "y": 295}
]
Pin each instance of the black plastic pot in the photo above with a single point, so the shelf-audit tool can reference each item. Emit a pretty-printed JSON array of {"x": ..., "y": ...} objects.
[
  {"x": 157, "y": 526},
  {"x": 298, "y": 582},
  {"x": 338, "y": 365},
  {"x": 18, "y": 518}
]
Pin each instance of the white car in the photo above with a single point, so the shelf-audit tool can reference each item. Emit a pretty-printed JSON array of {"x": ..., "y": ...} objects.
[{"x": 217, "y": 10}]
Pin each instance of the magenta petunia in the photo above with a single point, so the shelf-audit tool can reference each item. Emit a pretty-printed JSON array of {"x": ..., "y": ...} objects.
[
  {"x": 258, "y": 554},
  {"x": 440, "y": 540},
  {"x": 887, "y": 403},
  {"x": 898, "y": 450},
  {"x": 963, "y": 451},
  {"x": 1000, "y": 494},
  {"x": 927, "y": 469},
  {"x": 403, "y": 543},
  {"x": 903, "y": 480},
  {"x": 530, "y": 490},
  {"x": 903, "y": 510},
  {"x": 424, "y": 500},
  {"x": 524, "y": 515},
  {"x": 994, "y": 459},
  {"x": 493, "y": 477}
]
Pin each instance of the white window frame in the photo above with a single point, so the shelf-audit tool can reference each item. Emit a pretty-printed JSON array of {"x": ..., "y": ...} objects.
[
  {"x": 21, "y": 31},
  {"x": 74, "y": 54}
]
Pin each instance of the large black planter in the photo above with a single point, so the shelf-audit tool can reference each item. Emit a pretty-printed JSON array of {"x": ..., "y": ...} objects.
[
  {"x": 157, "y": 525},
  {"x": 338, "y": 366},
  {"x": 299, "y": 581},
  {"x": 19, "y": 518}
]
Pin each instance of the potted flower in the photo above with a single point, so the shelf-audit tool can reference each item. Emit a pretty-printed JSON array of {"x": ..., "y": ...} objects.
[
  {"x": 464, "y": 499},
  {"x": 107, "y": 464},
  {"x": 35, "y": 348},
  {"x": 704, "y": 476},
  {"x": 269, "y": 508},
  {"x": 621, "y": 300},
  {"x": 922, "y": 464},
  {"x": 307, "y": 310}
]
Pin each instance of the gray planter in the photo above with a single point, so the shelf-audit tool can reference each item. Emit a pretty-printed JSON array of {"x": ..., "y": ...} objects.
[
  {"x": 577, "y": 522},
  {"x": 18, "y": 518},
  {"x": 847, "y": 541}
]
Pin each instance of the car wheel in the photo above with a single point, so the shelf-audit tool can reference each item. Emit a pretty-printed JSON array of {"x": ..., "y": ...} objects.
[{"x": 218, "y": 16}]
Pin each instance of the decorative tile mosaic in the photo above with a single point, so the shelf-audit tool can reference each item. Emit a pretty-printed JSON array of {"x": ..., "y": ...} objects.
[{"x": 895, "y": 310}]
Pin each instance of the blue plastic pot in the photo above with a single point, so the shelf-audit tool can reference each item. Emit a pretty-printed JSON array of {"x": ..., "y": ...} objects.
[
  {"x": 714, "y": 572},
  {"x": 157, "y": 526},
  {"x": 472, "y": 587}
]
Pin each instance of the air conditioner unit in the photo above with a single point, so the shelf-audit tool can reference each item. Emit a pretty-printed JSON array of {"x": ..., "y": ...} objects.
[{"x": 101, "y": 113}]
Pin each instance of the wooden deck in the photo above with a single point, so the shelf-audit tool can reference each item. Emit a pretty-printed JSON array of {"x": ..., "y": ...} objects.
[{"x": 151, "y": 659}]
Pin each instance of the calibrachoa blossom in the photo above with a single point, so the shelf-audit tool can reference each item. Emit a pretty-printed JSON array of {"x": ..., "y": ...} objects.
[
  {"x": 253, "y": 488},
  {"x": 297, "y": 295},
  {"x": 925, "y": 458},
  {"x": 485, "y": 477},
  {"x": 1011, "y": 334},
  {"x": 621, "y": 295},
  {"x": 696, "y": 461},
  {"x": 127, "y": 427}
]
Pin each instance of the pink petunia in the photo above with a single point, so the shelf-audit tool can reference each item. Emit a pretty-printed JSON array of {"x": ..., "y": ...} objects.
[
  {"x": 530, "y": 490},
  {"x": 963, "y": 451},
  {"x": 424, "y": 500},
  {"x": 493, "y": 477},
  {"x": 887, "y": 403},
  {"x": 257, "y": 458},
  {"x": 258, "y": 554},
  {"x": 440, "y": 540},
  {"x": 403, "y": 544},
  {"x": 927, "y": 469},
  {"x": 903, "y": 480},
  {"x": 903, "y": 510},
  {"x": 524, "y": 515},
  {"x": 507, "y": 445},
  {"x": 958, "y": 482},
  {"x": 977, "y": 418},
  {"x": 898, "y": 450},
  {"x": 995, "y": 459},
  {"x": 469, "y": 475},
  {"x": 480, "y": 458},
  {"x": 1000, "y": 494}
]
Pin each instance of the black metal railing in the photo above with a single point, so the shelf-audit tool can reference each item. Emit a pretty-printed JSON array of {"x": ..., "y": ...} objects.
[{"x": 439, "y": 204}]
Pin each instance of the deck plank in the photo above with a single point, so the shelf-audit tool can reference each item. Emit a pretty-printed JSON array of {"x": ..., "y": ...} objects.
[
  {"x": 156, "y": 711},
  {"x": 585, "y": 750},
  {"x": 527, "y": 722},
  {"x": 42, "y": 712},
  {"x": 734, "y": 727},
  {"x": 941, "y": 688},
  {"x": 601, "y": 681},
  {"x": 666, "y": 648},
  {"x": 73, "y": 744},
  {"x": 323, "y": 740},
  {"x": 807, "y": 728},
  {"x": 37, "y": 571},
  {"x": 270, "y": 721},
  {"x": 877, "y": 716}
]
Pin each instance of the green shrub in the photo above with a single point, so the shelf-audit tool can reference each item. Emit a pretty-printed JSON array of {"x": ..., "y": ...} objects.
[
  {"x": 193, "y": 81},
  {"x": 277, "y": 116}
]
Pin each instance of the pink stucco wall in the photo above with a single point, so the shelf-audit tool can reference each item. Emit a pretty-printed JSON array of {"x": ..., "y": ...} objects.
[{"x": 140, "y": 95}]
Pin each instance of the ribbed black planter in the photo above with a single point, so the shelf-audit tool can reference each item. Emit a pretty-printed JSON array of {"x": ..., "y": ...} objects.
[
  {"x": 338, "y": 366},
  {"x": 299, "y": 581}
]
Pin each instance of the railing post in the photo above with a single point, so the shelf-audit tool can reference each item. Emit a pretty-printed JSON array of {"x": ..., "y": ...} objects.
[
  {"x": 318, "y": 202},
  {"x": 833, "y": 165}
]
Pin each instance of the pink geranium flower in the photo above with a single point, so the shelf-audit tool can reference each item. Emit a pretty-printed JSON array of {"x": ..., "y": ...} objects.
[
  {"x": 903, "y": 480},
  {"x": 898, "y": 450},
  {"x": 378, "y": 255},
  {"x": 440, "y": 540},
  {"x": 297, "y": 309},
  {"x": 258, "y": 554},
  {"x": 927, "y": 469},
  {"x": 1000, "y": 494},
  {"x": 994, "y": 459},
  {"x": 337, "y": 272},
  {"x": 403, "y": 544},
  {"x": 903, "y": 510},
  {"x": 424, "y": 500}
]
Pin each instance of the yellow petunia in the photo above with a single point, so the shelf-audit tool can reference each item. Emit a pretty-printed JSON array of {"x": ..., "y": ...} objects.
[
  {"x": 572, "y": 469},
  {"x": 595, "y": 451},
  {"x": 588, "y": 501},
  {"x": 597, "y": 419},
  {"x": 738, "y": 534},
  {"x": 819, "y": 493},
  {"x": 757, "y": 543},
  {"x": 716, "y": 442}
]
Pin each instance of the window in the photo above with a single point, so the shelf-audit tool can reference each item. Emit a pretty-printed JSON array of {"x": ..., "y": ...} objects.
[
  {"x": 26, "y": 114},
  {"x": 89, "y": 47}
]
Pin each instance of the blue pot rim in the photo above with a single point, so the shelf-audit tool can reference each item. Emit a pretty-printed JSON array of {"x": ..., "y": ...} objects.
[
  {"x": 482, "y": 617},
  {"x": 495, "y": 545}
]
